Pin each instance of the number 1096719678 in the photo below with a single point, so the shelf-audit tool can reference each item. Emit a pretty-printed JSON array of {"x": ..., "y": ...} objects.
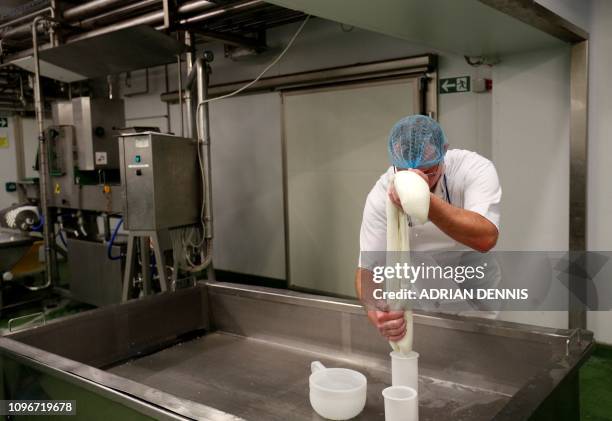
[{"x": 37, "y": 407}]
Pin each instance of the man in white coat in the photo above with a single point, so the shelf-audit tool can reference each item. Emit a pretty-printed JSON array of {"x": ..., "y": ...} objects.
[{"x": 464, "y": 212}]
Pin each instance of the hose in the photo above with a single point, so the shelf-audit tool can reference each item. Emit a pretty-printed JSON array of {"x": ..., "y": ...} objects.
[
  {"x": 61, "y": 236},
  {"x": 40, "y": 224},
  {"x": 109, "y": 249}
]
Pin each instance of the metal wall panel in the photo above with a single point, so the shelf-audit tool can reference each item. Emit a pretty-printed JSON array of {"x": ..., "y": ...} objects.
[{"x": 336, "y": 149}]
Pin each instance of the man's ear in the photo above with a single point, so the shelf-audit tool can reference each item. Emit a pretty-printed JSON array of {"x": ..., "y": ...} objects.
[{"x": 445, "y": 147}]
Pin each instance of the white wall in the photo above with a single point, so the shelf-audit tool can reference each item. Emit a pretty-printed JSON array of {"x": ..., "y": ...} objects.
[
  {"x": 599, "y": 194},
  {"x": 247, "y": 174},
  {"x": 531, "y": 149},
  {"x": 531, "y": 152}
]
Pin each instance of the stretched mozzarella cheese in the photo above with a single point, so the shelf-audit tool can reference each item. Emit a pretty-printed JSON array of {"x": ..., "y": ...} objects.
[{"x": 413, "y": 192}]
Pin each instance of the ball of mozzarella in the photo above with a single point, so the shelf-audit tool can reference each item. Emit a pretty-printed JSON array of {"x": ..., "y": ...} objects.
[{"x": 413, "y": 192}]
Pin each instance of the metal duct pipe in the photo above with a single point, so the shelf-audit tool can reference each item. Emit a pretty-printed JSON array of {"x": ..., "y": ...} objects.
[
  {"x": 25, "y": 17},
  {"x": 202, "y": 75},
  {"x": 221, "y": 10},
  {"x": 43, "y": 161},
  {"x": 115, "y": 13},
  {"x": 146, "y": 19},
  {"x": 19, "y": 31},
  {"x": 186, "y": 8},
  {"x": 188, "y": 97},
  {"x": 179, "y": 72},
  {"x": 199, "y": 74},
  {"x": 91, "y": 8},
  {"x": 194, "y": 6},
  {"x": 151, "y": 18}
]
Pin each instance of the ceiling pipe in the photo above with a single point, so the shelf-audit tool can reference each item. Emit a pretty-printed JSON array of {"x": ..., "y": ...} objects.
[
  {"x": 72, "y": 15},
  {"x": 91, "y": 8},
  {"x": 241, "y": 5},
  {"x": 115, "y": 14},
  {"x": 151, "y": 18},
  {"x": 27, "y": 17}
]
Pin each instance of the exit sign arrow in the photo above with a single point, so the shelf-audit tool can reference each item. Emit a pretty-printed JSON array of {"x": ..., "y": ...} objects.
[
  {"x": 455, "y": 84},
  {"x": 447, "y": 85}
]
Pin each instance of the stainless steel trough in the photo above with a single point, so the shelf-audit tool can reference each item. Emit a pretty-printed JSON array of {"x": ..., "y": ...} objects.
[{"x": 223, "y": 351}]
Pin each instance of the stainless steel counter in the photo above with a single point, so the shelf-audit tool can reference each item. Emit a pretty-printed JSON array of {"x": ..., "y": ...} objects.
[
  {"x": 226, "y": 351},
  {"x": 260, "y": 380}
]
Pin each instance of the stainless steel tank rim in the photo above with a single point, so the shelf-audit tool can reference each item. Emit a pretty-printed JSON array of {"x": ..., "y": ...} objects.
[
  {"x": 117, "y": 388},
  {"x": 508, "y": 329}
]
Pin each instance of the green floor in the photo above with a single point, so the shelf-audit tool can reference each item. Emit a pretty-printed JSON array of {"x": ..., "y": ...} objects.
[
  {"x": 595, "y": 374},
  {"x": 31, "y": 315},
  {"x": 596, "y": 386}
]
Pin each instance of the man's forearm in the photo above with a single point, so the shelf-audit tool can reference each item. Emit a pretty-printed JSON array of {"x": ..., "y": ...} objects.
[
  {"x": 363, "y": 282},
  {"x": 462, "y": 225}
]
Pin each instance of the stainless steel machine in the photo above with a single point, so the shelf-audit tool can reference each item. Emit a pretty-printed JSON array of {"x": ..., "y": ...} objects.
[
  {"x": 84, "y": 193},
  {"x": 84, "y": 154},
  {"x": 161, "y": 184},
  {"x": 223, "y": 351},
  {"x": 96, "y": 121},
  {"x": 101, "y": 176},
  {"x": 161, "y": 181}
]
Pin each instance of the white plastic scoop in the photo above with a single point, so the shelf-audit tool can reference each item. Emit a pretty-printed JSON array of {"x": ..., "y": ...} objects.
[{"x": 337, "y": 393}]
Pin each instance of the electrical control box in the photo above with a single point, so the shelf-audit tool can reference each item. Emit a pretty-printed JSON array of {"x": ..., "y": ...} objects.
[
  {"x": 161, "y": 181},
  {"x": 96, "y": 122}
]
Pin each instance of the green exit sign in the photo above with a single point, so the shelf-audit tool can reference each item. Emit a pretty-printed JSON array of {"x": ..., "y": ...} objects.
[
  {"x": 10, "y": 187},
  {"x": 453, "y": 85}
]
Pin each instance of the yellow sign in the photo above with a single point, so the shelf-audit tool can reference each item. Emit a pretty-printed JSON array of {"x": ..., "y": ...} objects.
[
  {"x": 58, "y": 189},
  {"x": 4, "y": 142}
]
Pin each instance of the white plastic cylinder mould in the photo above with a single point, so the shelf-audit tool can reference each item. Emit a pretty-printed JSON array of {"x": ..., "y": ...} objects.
[
  {"x": 401, "y": 404},
  {"x": 405, "y": 369}
]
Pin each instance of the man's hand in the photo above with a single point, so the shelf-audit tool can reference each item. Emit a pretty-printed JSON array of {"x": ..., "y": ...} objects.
[
  {"x": 393, "y": 194},
  {"x": 390, "y": 324}
]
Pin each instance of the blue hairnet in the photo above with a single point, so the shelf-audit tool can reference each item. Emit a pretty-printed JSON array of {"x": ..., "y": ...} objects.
[{"x": 416, "y": 141}]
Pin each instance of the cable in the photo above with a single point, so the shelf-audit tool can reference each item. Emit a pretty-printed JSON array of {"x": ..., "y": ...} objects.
[
  {"x": 254, "y": 81},
  {"x": 61, "y": 236},
  {"x": 237, "y": 91},
  {"x": 109, "y": 249}
]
